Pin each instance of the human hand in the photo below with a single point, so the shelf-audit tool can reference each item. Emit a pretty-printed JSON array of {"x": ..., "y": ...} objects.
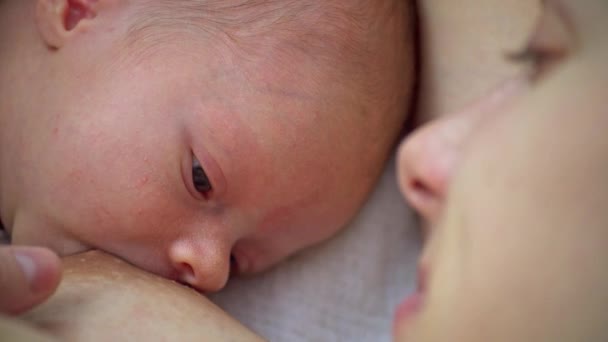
[{"x": 28, "y": 276}]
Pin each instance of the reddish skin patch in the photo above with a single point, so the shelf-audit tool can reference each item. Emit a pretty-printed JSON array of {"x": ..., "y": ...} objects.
[
  {"x": 105, "y": 214},
  {"x": 75, "y": 176},
  {"x": 143, "y": 181}
]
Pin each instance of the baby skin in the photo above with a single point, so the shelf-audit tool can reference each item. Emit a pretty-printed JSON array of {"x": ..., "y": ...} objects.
[{"x": 192, "y": 137}]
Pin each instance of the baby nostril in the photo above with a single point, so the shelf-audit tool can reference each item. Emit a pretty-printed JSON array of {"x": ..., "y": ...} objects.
[
  {"x": 186, "y": 268},
  {"x": 186, "y": 273}
]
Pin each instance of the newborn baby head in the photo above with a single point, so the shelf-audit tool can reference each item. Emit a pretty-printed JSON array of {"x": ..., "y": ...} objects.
[{"x": 181, "y": 134}]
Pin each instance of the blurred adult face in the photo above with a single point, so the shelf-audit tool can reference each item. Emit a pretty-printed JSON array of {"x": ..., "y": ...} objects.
[{"x": 518, "y": 252}]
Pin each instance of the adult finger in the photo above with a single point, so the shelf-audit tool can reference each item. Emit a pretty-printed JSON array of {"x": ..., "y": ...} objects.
[{"x": 28, "y": 276}]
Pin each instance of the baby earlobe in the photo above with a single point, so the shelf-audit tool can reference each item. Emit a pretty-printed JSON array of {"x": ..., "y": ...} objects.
[{"x": 59, "y": 20}]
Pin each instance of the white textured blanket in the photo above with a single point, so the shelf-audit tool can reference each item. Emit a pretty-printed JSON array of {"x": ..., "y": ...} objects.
[{"x": 343, "y": 290}]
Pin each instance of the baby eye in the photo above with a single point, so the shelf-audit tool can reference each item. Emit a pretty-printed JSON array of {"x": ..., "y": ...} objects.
[{"x": 199, "y": 178}]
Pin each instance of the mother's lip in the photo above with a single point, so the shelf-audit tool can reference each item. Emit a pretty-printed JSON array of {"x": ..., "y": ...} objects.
[
  {"x": 412, "y": 305},
  {"x": 408, "y": 309}
]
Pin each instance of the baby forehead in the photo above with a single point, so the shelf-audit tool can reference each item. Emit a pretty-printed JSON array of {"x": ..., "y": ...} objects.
[
  {"x": 349, "y": 45},
  {"x": 316, "y": 22},
  {"x": 257, "y": 13}
]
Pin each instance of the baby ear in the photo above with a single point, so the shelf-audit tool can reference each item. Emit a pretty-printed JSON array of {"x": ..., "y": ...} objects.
[{"x": 59, "y": 20}]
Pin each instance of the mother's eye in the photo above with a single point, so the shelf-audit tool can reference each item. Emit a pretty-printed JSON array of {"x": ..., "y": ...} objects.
[
  {"x": 199, "y": 178},
  {"x": 551, "y": 41}
]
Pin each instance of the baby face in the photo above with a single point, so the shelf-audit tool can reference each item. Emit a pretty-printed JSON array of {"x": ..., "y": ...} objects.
[
  {"x": 517, "y": 253},
  {"x": 187, "y": 154}
]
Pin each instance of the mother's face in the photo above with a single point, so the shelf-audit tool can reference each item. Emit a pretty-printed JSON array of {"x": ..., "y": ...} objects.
[{"x": 518, "y": 251}]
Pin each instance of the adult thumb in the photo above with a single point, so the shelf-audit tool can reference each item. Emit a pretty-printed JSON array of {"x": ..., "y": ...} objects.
[{"x": 28, "y": 276}]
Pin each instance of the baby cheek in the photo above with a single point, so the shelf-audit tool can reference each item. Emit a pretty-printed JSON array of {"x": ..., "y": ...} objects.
[
  {"x": 283, "y": 235},
  {"x": 152, "y": 214},
  {"x": 104, "y": 188},
  {"x": 132, "y": 209}
]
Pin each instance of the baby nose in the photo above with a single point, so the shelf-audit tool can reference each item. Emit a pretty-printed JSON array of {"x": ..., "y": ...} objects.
[
  {"x": 426, "y": 163},
  {"x": 202, "y": 265}
]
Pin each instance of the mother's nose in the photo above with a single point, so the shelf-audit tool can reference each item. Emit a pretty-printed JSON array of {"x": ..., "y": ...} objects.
[
  {"x": 203, "y": 264},
  {"x": 427, "y": 159}
]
